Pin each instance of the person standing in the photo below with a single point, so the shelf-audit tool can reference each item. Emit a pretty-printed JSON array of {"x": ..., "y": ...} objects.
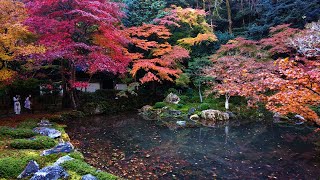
[
  {"x": 27, "y": 104},
  {"x": 16, "y": 104}
]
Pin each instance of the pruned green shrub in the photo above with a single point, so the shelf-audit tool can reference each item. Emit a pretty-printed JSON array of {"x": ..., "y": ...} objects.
[
  {"x": 17, "y": 133},
  {"x": 204, "y": 106},
  {"x": 28, "y": 124},
  {"x": 40, "y": 142},
  {"x": 159, "y": 105}
]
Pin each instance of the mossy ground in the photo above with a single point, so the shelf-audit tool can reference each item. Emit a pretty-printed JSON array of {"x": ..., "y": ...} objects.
[{"x": 17, "y": 149}]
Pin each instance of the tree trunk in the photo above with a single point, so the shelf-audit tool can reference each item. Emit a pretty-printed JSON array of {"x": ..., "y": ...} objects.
[
  {"x": 65, "y": 98},
  {"x": 200, "y": 95},
  {"x": 73, "y": 89},
  {"x": 229, "y": 16},
  {"x": 226, "y": 104}
]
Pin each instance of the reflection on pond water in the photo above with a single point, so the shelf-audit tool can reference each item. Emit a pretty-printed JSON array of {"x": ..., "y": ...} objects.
[{"x": 130, "y": 147}]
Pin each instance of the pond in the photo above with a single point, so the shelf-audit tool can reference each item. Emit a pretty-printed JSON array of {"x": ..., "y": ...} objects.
[{"x": 133, "y": 148}]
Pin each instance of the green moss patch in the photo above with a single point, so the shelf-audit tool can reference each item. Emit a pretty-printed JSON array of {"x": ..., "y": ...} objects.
[
  {"x": 39, "y": 142},
  {"x": 82, "y": 168},
  {"x": 16, "y": 133}
]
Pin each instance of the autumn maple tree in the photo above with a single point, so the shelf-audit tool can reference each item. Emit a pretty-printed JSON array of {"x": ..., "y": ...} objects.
[
  {"x": 81, "y": 34},
  {"x": 16, "y": 40},
  {"x": 154, "y": 59},
  {"x": 246, "y": 68},
  {"x": 187, "y": 18}
]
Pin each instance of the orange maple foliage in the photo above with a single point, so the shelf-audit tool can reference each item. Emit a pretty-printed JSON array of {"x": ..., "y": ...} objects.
[
  {"x": 153, "y": 56},
  {"x": 297, "y": 89}
]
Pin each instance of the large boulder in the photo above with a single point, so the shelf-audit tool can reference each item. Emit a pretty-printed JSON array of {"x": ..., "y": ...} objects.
[
  {"x": 172, "y": 98},
  {"x": 50, "y": 132},
  {"x": 64, "y": 147},
  {"x": 50, "y": 173},
  {"x": 214, "y": 115},
  {"x": 88, "y": 177},
  {"x": 30, "y": 169},
  {"x": 145, "y": 109}
]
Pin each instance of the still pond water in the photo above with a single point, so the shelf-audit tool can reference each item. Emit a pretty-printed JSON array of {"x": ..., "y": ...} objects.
[{"x": 133, "y": 148}]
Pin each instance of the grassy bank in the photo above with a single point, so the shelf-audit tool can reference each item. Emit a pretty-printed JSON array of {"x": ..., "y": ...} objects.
[{"x": 19, "y": 145}]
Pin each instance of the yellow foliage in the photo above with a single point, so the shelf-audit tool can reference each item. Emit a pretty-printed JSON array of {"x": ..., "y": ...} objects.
[
  {"x": 6, "y": 74},
  {"x": 197, "y": 40},
  {"x": 14, "y": 36}
]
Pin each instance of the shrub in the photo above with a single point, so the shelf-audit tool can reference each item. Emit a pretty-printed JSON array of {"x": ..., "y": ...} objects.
[
  {"x": 172, "y": 90},
  {"x": 179, "y": 105},
  {"x": 204, "y": 106},
  {"x": 16, "y": 133},
  {"x": 159, "y": 105},
  {"x": 40, "y": 142}
]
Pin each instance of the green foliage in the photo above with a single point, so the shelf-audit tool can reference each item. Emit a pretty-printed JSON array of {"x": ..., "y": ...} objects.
[
  {"x": 25, "y": 87},
  {"x": 183, "y": 80},
  {"x": 40, "y": 142},
  {"x": 204, "y": 106},
  {"x": 179, "y": 106},
  {"x": 159, "y": 105},
  {"x": 16, "y": 133},
  {"x": 109, "y": 103},
  {"x": 295, "y": 12},
  {"x": 144, "y": 11},
  {"x": 83, "y": 168},
  {"x": 195, "y": 70}
]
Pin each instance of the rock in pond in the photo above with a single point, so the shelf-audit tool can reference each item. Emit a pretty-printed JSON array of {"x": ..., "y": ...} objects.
[
  {"x": 231, "y": 115},
  {"x": 181, "y": 123},
  {"x": 172, "y": 98},
  {"x": 50, "y": 173},
  {"x": 62, "y": 160},
  {"x": 44, "y": 123},
  {"x": 174, "y": 113},
  {"x": 191, "y": 111},
  {"x": 50, "y": 132},
  {"x": 214, "y": 115},
  {"x": 195, "y": 117},
  {"x": 88, "y": 177},
  {"x": 64, "y": 147},
  {"x": 31, "y": 168}
]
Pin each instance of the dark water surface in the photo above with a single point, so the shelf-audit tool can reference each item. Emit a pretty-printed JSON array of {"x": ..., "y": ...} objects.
[{"x": 130, "y": 147}]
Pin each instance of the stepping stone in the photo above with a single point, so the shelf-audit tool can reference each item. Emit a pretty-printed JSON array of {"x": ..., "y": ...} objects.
[
  {"x": 50, "y": 173},
  {"x": 50, "y": 132},
  {"x": 62, "y": 160},
  {"x": 30, "y": 169},
  {"x": 88, "y": 177},
  {"x": 65, "y": 147}
]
